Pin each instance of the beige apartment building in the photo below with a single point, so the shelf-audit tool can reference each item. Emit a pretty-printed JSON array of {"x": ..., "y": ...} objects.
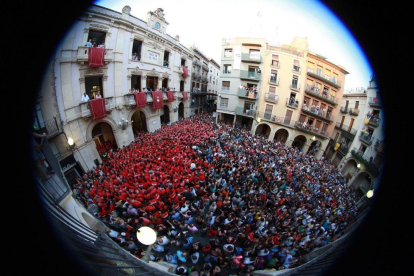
[{"x": 292, "y": 94}]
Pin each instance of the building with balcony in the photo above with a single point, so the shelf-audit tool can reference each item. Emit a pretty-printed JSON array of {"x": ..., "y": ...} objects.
[
  {"x": 360, "y": 159},
  {"x": 131, "y": 54},
  {"x": 204, "y": 82},
  {"x": 347, "y": 125},
  {"x": 286, "y": 101},
  {"x": 240, "y": 78}
]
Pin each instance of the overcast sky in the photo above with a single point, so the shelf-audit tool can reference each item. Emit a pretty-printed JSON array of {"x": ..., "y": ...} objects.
[{"x": 205, "y": 23}]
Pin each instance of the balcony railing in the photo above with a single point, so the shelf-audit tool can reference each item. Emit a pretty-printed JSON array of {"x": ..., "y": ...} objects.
[
  {"x": 313, "y": 90},
  {"x": 344, "y": 148},
  {"x": 274, "y": 81},
  {"x": 295, "y": 86},
  {"x": 109, "y": 105},
  {"x": 292, "y": 103},
  {"x": 251, "y": 58},
  {"x": 52, "y": 127},
  {"x": 226, "y": 71},
  {"x": 197, "y": 63},
  {"x": 129, "y": 100},
  {"x": 374, "y": 102},
  {"x": 205, "y": 68},
  {"x": 344, "y": 109},
  {"x": 225, "y": 88},
  {"x": 240, "y": 110},
  {"x": 83, "y": 54},
  {"x": 343, "y": 127},
  {"x": 375, "y": 122},
  {"x": 320, "y": 77},
  {"x": 354, "y": 111},
  {"x": 366, "y": 138},
  {"x": 243, "y": 93},
  {"x": 253, "y": 76},
  {"x": 271, "y": 97},
  {"x": 285, "y": 121},
  {"x": 319, "y": 113},
  {"x": 311, "y": 129},
  {"x": 369, "y": 166}
]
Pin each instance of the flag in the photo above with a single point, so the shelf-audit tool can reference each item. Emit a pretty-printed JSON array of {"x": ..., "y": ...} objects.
[
  {"x": 337, "y": 146},
  {"x": 97, "y": 108},
  {"x": 157, "y": 100},
  {"x": 170, "y": 96},
  {"x": 96, "y": 57},
  {"x": 140, "y": 99}
]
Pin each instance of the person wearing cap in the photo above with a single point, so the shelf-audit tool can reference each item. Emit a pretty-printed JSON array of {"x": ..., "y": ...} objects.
[{"x": 195, "y": 257}]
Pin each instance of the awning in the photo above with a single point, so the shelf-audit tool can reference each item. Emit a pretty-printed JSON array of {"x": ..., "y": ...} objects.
[
  {"x": 96, "y": 57},
  {"x": 97, "y": 108},
  {"x": 157, "y": 100},
  {"x": 140, "y": 99}
]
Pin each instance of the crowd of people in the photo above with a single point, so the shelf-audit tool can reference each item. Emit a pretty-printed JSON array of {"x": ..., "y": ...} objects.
[
  {"x": 147, "y": 89},
  {"x": 223, "y": 202}
]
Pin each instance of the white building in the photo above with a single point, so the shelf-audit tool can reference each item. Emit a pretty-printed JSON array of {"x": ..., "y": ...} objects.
[{"x": 135, "y": 54}]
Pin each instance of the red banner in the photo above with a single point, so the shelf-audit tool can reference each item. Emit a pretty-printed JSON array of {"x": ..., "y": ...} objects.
[
  {"x": 170, "y": 96},
  {"x": 98, "y": 110},
  {"x": 140, "y": 99},
  {"x": 96, "y": 57},
  {"x": 185, "y": 72},
  {"x": 157, "y": 100},
  {"x": 185, "y": 96}
]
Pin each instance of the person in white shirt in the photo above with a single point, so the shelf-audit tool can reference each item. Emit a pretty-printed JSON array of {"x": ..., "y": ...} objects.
[
  {"x": 85, "y": 97},
  {"x": 98, "y": 96}
]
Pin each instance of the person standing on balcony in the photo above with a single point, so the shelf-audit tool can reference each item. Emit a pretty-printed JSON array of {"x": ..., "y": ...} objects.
[
  {"x": 89, "y": 43},
  {"x": 85, "y": 97},
  {"x": 98, "y": 95}
]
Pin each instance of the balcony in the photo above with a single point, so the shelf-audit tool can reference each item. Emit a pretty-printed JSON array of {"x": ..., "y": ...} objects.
[
  {"x": 374, "y": 122},
  {"x": 51, "y": 127},
  {"x": 271, "y": 97},
  {"x": 292, "y": 103},
  {"x": 314, "y": 91},
  {"x": 226, "y": 71},
  {"x": 321, "y": 133},
  {"x": 374, "y": 102},
  {"x": 196, "y": 76},
  {"x": 319, "y": 77},
  {"x": 205, "y": 68},
  {"x": 129, "y": 100},
  {"x": 343, "y": 148},
  {"x": 344, "y": 109},
  {"x": 204, "y": 79},
  {"x": 85, "y": 111},
  {"x": 252, "y": 76},
  {"x": 353, "y": 111},
  {"x": 225, "y": 88},
  {"x": 284, "y": 121},
  {"x": 83, "y": 53},
  {"x": 317, "y": 113},
  {"x": 366, "y": 138},
  {"x": 369, "y": 166},
  {"x": 251, "y": 58},
  {"x": 242, "y": 111},
  {"x": 342, "y": 127},
  {"x": 243, "y": 93},
  {"x": 296, "y": 69},
  {"x": 295, "y": 86},
  {"x": 274, "y": 81},
  {"x": 197, "y": 63}
]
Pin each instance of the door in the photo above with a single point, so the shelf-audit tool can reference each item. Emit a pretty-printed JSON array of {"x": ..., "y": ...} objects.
[
  {"x": 268, "y": 111},
  {"x": 288, "y": 117}
]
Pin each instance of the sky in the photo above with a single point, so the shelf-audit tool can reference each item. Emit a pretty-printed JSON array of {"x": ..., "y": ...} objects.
[{"x": 204, "y": 23}]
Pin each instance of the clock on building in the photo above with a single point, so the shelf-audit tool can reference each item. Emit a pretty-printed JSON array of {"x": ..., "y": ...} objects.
[{"x": 157, "y": 25}]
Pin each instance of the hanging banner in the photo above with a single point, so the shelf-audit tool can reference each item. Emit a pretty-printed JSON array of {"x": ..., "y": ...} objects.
[
  {"x": 98, "y": 109},
  {"x": 157, "y": 100},
  {"x": 185, "y": 96},
  {"x": 170, "y": 95},
  {"x": 140, "y": 99},
  {"x": 96, "y": 57}
]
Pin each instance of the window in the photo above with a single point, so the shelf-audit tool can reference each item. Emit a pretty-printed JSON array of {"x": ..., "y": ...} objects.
[
  {"x": 319, "y": 71},
  {"x": 327, "y": 74},
  {"x": 268, "y": 111},
  {"x": 273, "y": 76},
  {"x": 271, "y": 95},
  {"x": 38, "y": 117},
  {"x": 93, "y": 86},
  {"x": 225, "y": 85},
  {"x": 97, "y": 38},
  {"x": 166, "y": 58},
  {"x": 334, "y": 79},
  {"x": 227, "y": 69},
  {"x": 136, "y": 50},
  {"x": 254, "y": 54},
  {"x": 182, "y": 62},
  {"x": 295, "y": 82},
  {"x": 228, "y": 52},
  {"x": 356, "y": 104},
  {"x": 275, "y": 60},
  {"x": 351, "y": 124},
  {"x": 311, "y": 67},
  {"x": 296, "y": 66},
  {"x": 224, "y": 102},
  {"x": 288, "y": 117},
  {"x": 362, "y": 149}
]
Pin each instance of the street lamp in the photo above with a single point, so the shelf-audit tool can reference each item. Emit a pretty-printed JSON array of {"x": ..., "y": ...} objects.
[
  {"x": 71, "y": 144},
  {"x": 359, "y": 166},
  {"x": 370, "y": 193},
  {"x": 147, "y": 236},
  {"x": 123, "y": 124}
]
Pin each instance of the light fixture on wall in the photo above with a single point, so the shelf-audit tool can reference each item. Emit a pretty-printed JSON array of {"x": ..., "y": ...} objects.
[
  {"x": 147, "y": 236},
  {"x": 175, "y": 108},
  {"x": 312, "y": 138},
  {"x": 123, "y": 124},
  {"x": 71, "y": 143},
  {"x": 359, "y": 166}
]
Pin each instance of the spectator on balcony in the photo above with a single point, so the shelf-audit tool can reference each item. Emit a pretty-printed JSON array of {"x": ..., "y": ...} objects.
[
  {"x": 135, "y": 56},
  {"x": 89, "y": 43},
  {"x": 292, "y": 100},
  {"x": 102, "y": 45},
  {"x": 85, "y": 97},
  {"x": 98, "y": 95},
  {"x": 165, "y": 63}
]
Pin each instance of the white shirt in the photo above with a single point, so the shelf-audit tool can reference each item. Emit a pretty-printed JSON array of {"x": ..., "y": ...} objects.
[{"x": 85, "y": 98}]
